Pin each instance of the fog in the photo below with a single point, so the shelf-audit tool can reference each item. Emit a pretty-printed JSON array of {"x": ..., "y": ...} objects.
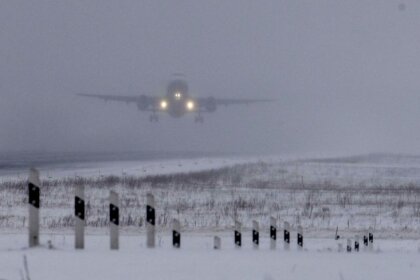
[{"x": 345, "y": 75}]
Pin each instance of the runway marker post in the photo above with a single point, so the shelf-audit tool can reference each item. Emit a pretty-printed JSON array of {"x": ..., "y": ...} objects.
[
  {"x": 176, "y": 234},
  {"x": 300, "y": 237},
  {"x": 79, "y": 212},
  {"x": 238, "y": 235},
  {"x": 348, "y": 245},
  {"x": 356, "y": 244},
  {"x": 286, "y": 236},
  {"x": 370, "y": 235},
  {"x": 255, "y": 234},
  {"x": 150, "y": 220},
  {"x": 34, "y": 192},
  {"x": 273, "y": 233},
  {"x": 366, "y": 240},
  {"x": 217, "y": 243},
  {"x": 114, "y": 219}
]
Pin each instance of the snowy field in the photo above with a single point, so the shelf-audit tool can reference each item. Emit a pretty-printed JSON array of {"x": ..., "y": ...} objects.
[
  {"x": 353, "y": 193},
  {"x": 207, "y": 195},
  {"x": 197, "y": 260},
  {"x": 52, "y": 168}
]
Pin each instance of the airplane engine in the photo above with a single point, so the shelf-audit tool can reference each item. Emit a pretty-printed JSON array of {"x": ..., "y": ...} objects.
[
  {"x": 211, "y": 104},
  {"x": 143, "y": 103}
]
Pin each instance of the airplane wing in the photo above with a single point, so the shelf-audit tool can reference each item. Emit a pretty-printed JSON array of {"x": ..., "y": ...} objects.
[
  {"x": 122, "y": 98},
  {"x": 233, "y": 101},
  {"x": 210, "y": 104},
  {"x": 143, "y": 102}
]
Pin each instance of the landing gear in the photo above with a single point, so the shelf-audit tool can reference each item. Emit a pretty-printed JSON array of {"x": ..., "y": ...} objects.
[
  {"x": 199, "y": 119},
  {"x": 153, "y": 118}
]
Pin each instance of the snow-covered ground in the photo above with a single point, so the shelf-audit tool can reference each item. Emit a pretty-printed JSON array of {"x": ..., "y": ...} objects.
[
  {"x": 198, "y": 260},
  {"x": 353, "y": 193},
  {"x": 124, "y": 168},
  {"x": 207, "y": 195}
]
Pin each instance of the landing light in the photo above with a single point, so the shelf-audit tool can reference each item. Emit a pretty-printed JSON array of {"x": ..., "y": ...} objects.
[
  {"x": 177, "y": 95},
  {"x": 190, "y": 105},
  {"x": 163, "y": 104}
]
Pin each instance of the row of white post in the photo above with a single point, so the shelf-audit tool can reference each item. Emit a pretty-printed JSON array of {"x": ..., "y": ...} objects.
[
  {"x": 367, "y": 242},
  {"x": 79, "y": 207},
  {"x": 356, "y": 246},
  {"x": 34, "y": 186},
  {"x": 256, "y": 235}
]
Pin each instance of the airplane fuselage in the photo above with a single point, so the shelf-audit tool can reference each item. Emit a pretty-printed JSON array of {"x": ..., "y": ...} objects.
[{"x": 177, "y": 102}]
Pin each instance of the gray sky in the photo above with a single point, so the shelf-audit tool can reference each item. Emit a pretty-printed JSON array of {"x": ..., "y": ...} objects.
[{"x": 346, "y": 74}]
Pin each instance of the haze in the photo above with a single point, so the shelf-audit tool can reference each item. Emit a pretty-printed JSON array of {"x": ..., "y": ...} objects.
[{"x": 345, "y": 74}]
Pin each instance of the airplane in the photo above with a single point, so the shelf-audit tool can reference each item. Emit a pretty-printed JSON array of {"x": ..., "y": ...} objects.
[{"x": 176, "y": 103}]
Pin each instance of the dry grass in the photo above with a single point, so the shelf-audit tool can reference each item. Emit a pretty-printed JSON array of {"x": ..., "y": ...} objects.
[{"x": 213, "y": 199}]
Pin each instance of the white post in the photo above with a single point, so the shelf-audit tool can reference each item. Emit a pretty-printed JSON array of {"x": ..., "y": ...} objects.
[
  {"x": 365, "y": 240},
  {"x": 238, "y": 234},
  {"x": 217, "y": 243},
  {"x": 176, "y": 234},
  {"x": 79, "y": 212},
  {"x": 286, "y": 236},
  {"x": 300, "y": 237},
  {"x": 356, "y": 243},
  {"x": 273, "y": 233},
  {"x": 34, "y": 193},
  {"x": 340, "y": 247},
  {"x": 348, "y": 245},
  {"x": 370, "y": 235},
  {"x": 114, "y": 219},
  {"x": 150, "y": 220},
  {"x": 255, "y": 234}
]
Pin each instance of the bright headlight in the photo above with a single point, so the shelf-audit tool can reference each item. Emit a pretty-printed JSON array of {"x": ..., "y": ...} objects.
[
  {"x": 190, "y": 105},
  {"x": 163, "y": 104}
]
